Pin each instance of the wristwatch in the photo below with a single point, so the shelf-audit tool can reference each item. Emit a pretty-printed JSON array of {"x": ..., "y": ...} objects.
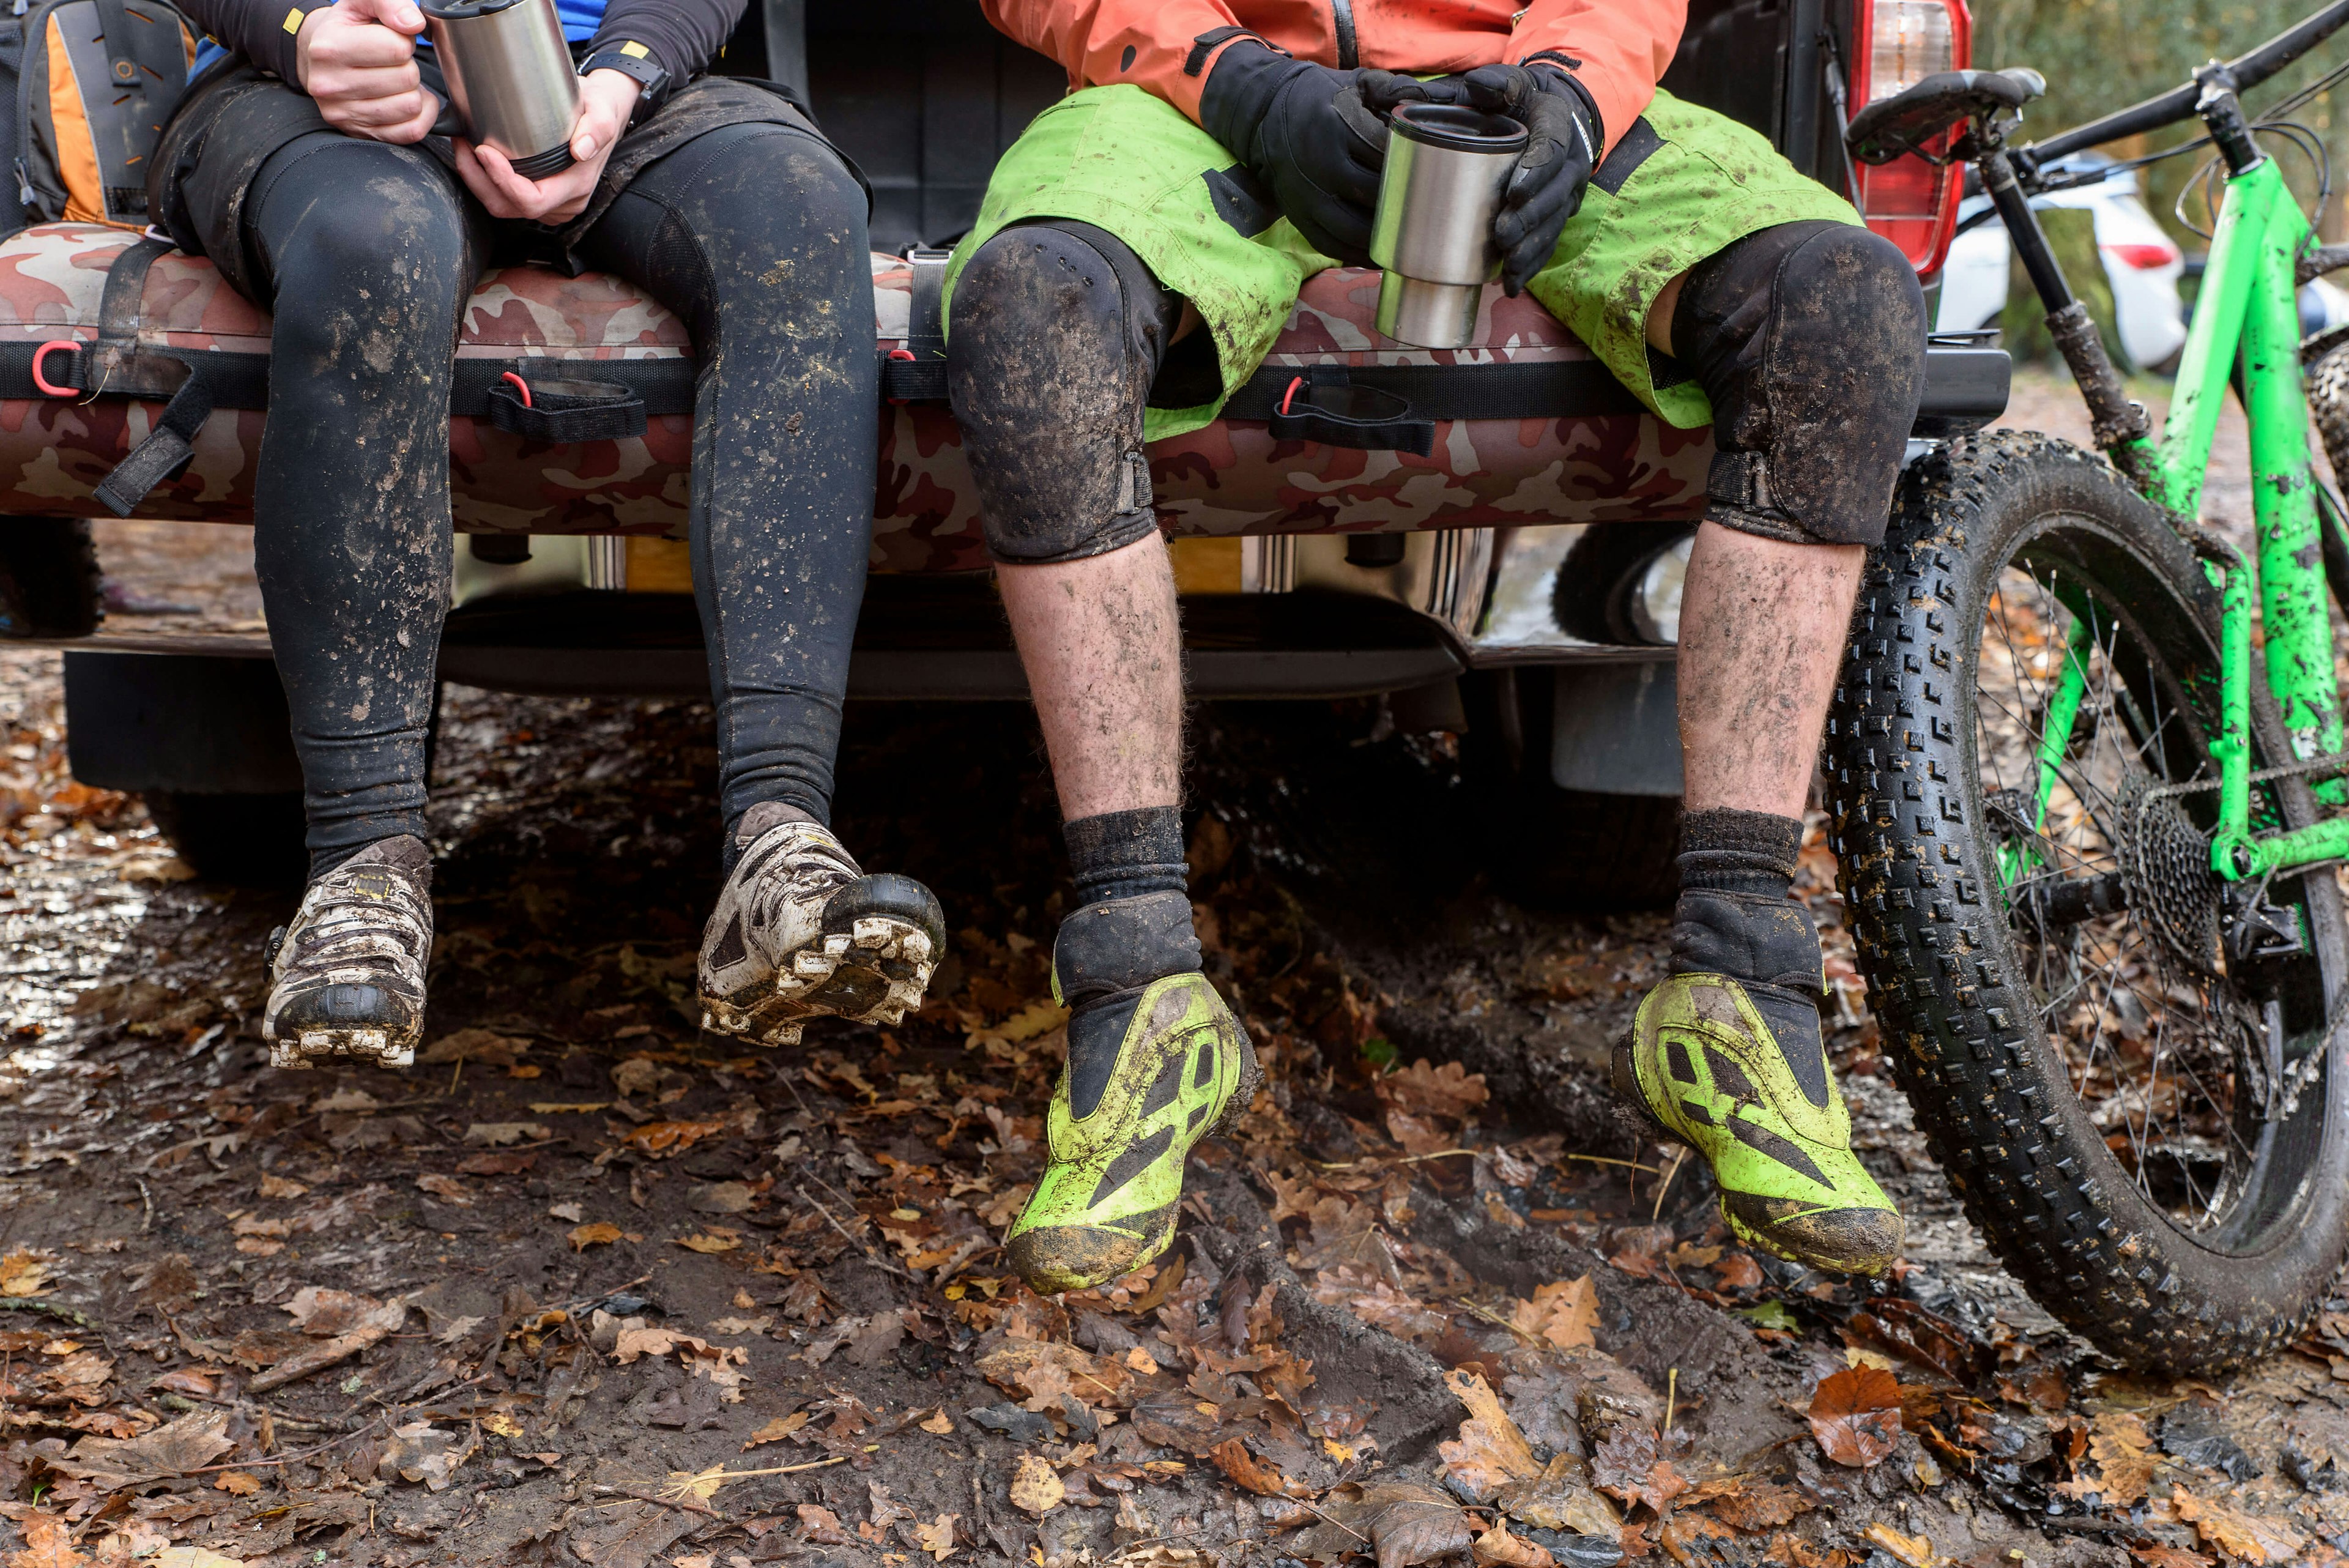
[{"x": 632, "y": 59}]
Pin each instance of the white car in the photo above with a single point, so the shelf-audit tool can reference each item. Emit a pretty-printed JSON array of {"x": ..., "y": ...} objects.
[{"x": 2140, "y": 259}]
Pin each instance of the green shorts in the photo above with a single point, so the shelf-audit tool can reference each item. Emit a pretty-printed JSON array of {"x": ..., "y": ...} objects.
[{"x": 1680, "y": 184}]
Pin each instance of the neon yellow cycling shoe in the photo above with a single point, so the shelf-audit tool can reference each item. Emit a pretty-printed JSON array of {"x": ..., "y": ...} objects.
[
  {"x": 1737, "y": 1070},
  {"x": 1152, "y": 1070}
]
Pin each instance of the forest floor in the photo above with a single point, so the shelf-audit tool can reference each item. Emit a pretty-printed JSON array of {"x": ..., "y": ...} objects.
[{"x": 588, "y": 1286}]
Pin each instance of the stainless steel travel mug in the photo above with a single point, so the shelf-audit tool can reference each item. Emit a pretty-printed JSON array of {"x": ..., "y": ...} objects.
[
  {"x": 1446, "y": 168},
  {"x": 509, "y": 78}
]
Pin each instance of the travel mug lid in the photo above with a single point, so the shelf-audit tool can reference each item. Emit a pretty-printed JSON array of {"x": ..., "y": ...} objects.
[
  {"x": 466, "y": 10},
  {"x": 1462, "y": 129}
]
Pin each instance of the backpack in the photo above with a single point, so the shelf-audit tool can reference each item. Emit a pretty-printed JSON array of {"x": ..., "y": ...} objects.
[{"x": 93, "y": 83}]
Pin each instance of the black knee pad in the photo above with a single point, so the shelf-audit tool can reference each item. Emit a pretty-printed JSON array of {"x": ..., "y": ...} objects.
[
  {"x": 1809, "y": 341},
  {"x": 1055, "y": 331}
]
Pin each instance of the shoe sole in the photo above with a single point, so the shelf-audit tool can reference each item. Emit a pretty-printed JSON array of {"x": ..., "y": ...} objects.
[
  {"x": 874, "y": 972},
  {"x": 366, "y": 1047}
]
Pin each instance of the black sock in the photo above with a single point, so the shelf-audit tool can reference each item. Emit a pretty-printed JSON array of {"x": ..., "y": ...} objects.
[
  {"x": 1122, "y": 854},
  {"x": 1724, "y": 850}
]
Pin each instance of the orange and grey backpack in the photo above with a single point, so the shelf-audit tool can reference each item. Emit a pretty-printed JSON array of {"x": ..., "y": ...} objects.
[{"x": 100, "y": 78}]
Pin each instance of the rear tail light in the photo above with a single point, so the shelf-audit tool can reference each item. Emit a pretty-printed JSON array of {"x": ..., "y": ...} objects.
[
  {"x": 1899, "y": 42},
  {"x": 2143, "y": 257}
]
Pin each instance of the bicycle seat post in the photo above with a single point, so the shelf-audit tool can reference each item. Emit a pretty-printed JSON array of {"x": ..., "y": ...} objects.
[{"x": 2122, "y": 429}]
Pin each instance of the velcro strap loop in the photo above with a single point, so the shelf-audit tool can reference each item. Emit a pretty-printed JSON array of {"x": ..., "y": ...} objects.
[{"x": 566, "y": 413}]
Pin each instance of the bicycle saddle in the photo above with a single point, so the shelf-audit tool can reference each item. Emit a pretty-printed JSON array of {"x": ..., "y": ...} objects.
[{"x": 1907, "y": 121}]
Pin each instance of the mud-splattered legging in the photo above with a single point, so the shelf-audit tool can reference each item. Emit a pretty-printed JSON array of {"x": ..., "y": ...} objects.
[{"x": 754, "y": 235}]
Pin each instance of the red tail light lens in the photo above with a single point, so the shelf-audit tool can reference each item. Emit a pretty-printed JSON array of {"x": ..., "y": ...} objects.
[
  {"x": 2145, "y": 258},
  {"x": 1899, "y": 42}
]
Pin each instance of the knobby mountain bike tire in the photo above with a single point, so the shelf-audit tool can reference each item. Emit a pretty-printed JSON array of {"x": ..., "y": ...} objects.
[{"x": 2152, "y": 1133}]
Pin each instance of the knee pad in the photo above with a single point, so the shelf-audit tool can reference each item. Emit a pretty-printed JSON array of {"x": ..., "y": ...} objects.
[
  {"x": 1056, "y": 330},
  {"x": 1809, "y": 341}
]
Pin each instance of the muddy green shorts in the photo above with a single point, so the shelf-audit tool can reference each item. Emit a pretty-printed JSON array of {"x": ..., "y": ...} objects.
[{"x": 1680, "y": 185}]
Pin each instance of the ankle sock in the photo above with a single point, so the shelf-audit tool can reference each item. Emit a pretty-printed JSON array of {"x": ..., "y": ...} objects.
[
  {"x": 404, "y": 850},
  {"x": 1724, "y": 850},
  {"x": 1125, "y": 854}
]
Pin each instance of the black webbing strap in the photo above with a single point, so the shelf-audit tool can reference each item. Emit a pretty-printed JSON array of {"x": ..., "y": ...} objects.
[
  {"x": 1322, "y": 404},
  {"x": 118, "y": 359},
  {"x": 917, "y": 372},
  {"x": 567, "y": 411},
  {"x": 1559, "y": 390}
]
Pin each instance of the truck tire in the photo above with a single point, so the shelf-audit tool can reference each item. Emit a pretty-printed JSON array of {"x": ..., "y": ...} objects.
[
  {"x": 1574, "y": 851},
  {"x": 49, "y": 578},
  {"x": 244, "y": 840}
]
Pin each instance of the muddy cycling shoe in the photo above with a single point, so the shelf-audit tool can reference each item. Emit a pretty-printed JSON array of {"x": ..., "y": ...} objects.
[
  {"x": 800, "y": 932},
  {"x": 347, "y": 978},
  {"x": 1735, "y": 1069},
  {"x": 1156, "y": 1062}
]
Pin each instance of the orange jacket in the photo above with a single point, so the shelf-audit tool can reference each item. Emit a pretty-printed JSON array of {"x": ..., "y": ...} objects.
[{"x": 1616, "y": 48}]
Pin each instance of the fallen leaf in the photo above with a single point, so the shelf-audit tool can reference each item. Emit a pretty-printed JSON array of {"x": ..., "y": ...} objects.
[
  {"x": 23, "y": 1274},
  {"x": 192, "y": 1557},
  {"x": 940, "y": 1424},
  {"x": 1625, "y": 1464},
  {"x": 670, "y": 1137},
  {"x": 1406, "y": 1522},
  {"x": 821, "y": 1526},
  {"x": 1490, "y": 1451},
  {"x": 1856, "y": 1415},
  {"x": 568, "y": 1107},
  {"x": 476, "y": 1045},
  {"x": 1561, "y": 1498},
  {"x": 1499, "y": 1549},
  {"x": 722, "y": 1198},
  {"x": 2168, "y": 1557},
  {"x": 1563, "y": 1314},
  {"x": 938, "y": 1537},
  {"x": 1916, "y": 1551},
  {"x": 1760, "y": 1506},
  {"x": 1737, "y": 1272},
  {"x": 497, "y": 1164},
  {"x": 1247, "y": 1471},
  {"x": 777, "y": 1429},
  {"x": 600, "y": 1234},
  {"x": 498, "y": 1134},
  {"x": 48, "y": 1543},
  {"x": 712, "y": 1241},
  {"x": 2245, "y": 1537},
  {"x": 445, "y": 1187},
  {"x": 282, "y": 1186},
  {"x": 237, "y": 1483},
  {"x": 1450, "y": 1091},
  {"x": 1036, "y": 1487},
  {"x": 189, "y": 1443}
]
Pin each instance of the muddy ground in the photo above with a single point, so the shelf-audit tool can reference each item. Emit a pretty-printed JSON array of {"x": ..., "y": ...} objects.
[{"x": 588, "y": 1285}]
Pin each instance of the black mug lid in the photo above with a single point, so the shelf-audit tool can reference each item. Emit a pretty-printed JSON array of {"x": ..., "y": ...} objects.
[
  {"x": 1462, "y": 129},
  {"x": 466, "y": 10}
]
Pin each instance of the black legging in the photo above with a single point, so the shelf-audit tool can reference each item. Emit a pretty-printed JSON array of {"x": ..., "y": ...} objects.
[{"x": 755, "y": 235}]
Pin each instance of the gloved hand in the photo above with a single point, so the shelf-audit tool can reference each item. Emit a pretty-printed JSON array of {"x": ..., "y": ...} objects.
[
  {"x": 1547, "y": 188},
  {"x": 1313, "y": 135}
]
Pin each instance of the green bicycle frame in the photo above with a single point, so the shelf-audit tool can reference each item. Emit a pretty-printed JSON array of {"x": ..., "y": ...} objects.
[{"x": 2247, "y": 312}]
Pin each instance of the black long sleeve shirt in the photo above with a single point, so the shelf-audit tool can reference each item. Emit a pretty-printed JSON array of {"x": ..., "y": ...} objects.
[{"x": 683, "y": 36}]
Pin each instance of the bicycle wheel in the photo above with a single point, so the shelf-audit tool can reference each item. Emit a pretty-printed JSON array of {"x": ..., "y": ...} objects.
[{"x": 2143, "y": 1115}]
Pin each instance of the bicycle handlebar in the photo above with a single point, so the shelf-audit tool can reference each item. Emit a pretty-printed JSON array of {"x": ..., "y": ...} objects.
[{"x": 2178, "y": 102}]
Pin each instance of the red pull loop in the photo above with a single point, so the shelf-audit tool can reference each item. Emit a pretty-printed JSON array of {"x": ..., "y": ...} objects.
[
  {"x": 520, "y": 385},
  {"x": 41, "y": 355},
  {"x": 901, "y": 353},
  {"x": 1295, "y": 383}
]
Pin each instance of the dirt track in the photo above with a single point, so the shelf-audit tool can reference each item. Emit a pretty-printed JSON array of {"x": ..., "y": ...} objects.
[{"x": 587, "y": 1254}]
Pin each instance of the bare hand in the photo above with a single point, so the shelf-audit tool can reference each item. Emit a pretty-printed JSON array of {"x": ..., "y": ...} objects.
[
  {"x": 607, "y": 98},
  {"x": 358, "y": 61}
]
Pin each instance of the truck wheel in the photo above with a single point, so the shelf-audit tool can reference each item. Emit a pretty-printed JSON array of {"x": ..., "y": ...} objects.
[
  {"x": 1576, "y": 851},
  {"x": 246, "y": 840},
  {"x": 49, "y": 578}
]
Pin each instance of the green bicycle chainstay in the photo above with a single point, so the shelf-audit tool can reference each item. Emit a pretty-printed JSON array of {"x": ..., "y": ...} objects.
[{"x": 2247, "y": 310}]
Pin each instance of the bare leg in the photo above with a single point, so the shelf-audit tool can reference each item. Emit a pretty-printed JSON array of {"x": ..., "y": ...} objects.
[
  {"x": 1761, "y": 629},
  {"x": 1102, "y": 646}
]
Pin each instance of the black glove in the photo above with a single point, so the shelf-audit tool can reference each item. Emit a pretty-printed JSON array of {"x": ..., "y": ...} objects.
[
  {"x": 1313, "y": 135},
  {"x": 1546, "y": 189}
]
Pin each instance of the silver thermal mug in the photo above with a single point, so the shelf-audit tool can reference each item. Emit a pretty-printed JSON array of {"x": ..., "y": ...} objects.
[
  {"x": 1446, "y": 168},
  {"x": 510, "y": 79}
]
